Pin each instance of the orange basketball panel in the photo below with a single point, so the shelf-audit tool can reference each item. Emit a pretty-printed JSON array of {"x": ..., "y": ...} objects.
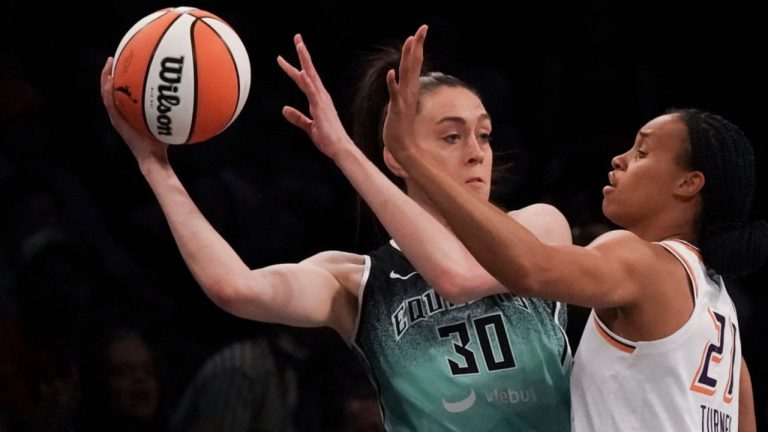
[
  {"x": 217, "y": 83},
  {"x": 131, "y": 69}
]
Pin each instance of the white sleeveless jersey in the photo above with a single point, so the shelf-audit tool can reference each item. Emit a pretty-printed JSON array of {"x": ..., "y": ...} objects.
[{"x": 688, "y": 381}]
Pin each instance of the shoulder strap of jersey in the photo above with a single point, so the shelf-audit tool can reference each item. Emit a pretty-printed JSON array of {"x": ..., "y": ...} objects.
[
  {"x": 360, "y": 296},
  {"x": 690, "y": 257}
]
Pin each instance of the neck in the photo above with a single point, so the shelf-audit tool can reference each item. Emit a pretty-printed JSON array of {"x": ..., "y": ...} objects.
[{"x": 665, "y": 226}]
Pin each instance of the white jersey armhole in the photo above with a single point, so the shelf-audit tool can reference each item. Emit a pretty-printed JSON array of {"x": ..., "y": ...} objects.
[{"x": 670, "y": 246}]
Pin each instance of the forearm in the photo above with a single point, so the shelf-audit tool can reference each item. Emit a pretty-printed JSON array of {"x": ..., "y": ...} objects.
[
  {"x": 432, "y": 248},
  {"x": 211, "y": 260},
  {"x": 506, "y": 249},
  {"x": 308, "y": 294}
]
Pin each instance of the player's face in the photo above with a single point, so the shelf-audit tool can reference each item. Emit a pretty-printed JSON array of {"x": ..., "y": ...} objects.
[
  {"x": 455, "y": 128},
  {"x": 643, "y": 179}
]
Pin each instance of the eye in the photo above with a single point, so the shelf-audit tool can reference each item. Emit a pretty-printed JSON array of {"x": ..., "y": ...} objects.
[
  {"x": 452, "y": 138},
  {"x": 484, "y": 138},
  {"x": 641, "y": 154}
]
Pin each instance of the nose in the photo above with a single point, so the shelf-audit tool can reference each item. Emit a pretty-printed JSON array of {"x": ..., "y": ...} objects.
[
  {"x": 618, "y": 161},
  {"x": 475, "y": 151}
]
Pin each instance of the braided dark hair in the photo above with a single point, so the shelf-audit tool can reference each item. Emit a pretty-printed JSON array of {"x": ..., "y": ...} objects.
[{"x": 730, "y": 243}]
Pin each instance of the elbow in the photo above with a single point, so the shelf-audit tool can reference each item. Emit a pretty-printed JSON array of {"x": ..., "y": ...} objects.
[
  {"x": 220, "y": 294},
  {"x": 453, "y": 292},
  {"x": 224, "y": 293},
  {"x": 460, "y": 287}
]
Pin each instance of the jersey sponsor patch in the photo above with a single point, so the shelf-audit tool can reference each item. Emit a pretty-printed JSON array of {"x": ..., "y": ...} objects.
[{"x": 461, "y": 405}]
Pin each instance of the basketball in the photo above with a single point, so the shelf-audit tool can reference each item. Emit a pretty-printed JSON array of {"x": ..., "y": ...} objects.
[{"x": 181, "y": 75}]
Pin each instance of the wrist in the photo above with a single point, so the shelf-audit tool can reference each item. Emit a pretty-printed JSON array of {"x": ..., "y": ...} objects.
[
  {"x": 153, "y": 165},
  {"x": 345, "y": 152}
]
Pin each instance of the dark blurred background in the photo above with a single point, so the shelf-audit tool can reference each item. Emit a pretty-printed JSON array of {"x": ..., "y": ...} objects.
[{"x": 88, "y": 266}]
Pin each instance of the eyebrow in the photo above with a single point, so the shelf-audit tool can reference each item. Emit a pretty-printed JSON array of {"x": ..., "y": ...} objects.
[
  {"x": 483, "y": 116},
  {"x": 642, "y": 135}
]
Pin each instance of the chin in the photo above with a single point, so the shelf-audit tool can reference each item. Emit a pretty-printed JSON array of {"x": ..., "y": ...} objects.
[{"x": 480, "y": 190}]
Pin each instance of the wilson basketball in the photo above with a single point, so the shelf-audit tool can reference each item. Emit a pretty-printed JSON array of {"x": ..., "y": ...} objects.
[{"x": 181, "y": 75}]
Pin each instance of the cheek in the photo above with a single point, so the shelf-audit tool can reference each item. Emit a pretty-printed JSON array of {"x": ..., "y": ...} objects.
[
  {"x": 653, "y": 181},
  {"x": 645, "y": 192},
  {"x": 443, "y": 154}
]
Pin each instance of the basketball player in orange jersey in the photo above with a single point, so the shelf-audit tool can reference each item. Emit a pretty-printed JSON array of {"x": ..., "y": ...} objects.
[
  {"x": 447, "y": 346},
  {"x": 661, "y": 350}
]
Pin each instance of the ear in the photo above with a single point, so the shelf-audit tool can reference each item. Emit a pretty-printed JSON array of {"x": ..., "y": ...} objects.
[
  {"x": 392, "y": 164},
  {"x": 690, "y": 184}
]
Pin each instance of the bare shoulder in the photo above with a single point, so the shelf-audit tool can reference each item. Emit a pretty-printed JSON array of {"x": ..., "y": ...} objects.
[
  {"x": 657, "y": 287},
  {"x": 621, "y": 243},
  {"x": 545, "y": 221},
  {"x": 540, "y": 210},
  {"x": 640, "y": 257},
  {"x": 347, "y": 268},
  {"x": 336, "y": 257}
]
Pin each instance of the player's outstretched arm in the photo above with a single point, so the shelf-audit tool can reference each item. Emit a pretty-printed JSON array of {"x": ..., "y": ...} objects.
[
  {"x": 318, "y": 291},
  {"x": 610, "y": 272},
  {"x": 430, "y": 246}
]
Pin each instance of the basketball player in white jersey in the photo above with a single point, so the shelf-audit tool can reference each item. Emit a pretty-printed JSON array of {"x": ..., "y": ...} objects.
[{"x": 661, "y": 350}]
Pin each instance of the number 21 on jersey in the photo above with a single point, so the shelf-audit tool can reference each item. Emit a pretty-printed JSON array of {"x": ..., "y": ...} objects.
[{"x": 712, "y": 355}]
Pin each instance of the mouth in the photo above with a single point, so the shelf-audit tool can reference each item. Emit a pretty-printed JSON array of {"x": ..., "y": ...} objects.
[
  {"x": 474, "y": 180},
  {"x": 611, "y": 186}
]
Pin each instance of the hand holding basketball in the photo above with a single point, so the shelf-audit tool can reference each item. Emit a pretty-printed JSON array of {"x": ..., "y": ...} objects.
[
  {"x": 142, "y": 146},
  {"x": 181, "y": 75}
]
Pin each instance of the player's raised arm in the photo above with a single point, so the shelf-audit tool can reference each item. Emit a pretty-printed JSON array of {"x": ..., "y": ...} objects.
[
  {"x": 318, "y": 291},
  {"x": 433, "y": 249}
]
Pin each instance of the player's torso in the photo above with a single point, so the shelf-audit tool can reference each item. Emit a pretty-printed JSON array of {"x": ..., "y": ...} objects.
[
  {"x": 685, "y": 381},
  {"x": 498, "y": 362}
]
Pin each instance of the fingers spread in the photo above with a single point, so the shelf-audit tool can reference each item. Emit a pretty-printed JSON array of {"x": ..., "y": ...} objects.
[
  {"x": 310, "y": 90},
  {"x": 303, "y": 52},
  {"x": 291, "y": 71},
  {"x": 392, "y": 86},
  {"x": 308, "y": 66},
  {"x": 418, "y": 51},
  {"x": 412, "y": 59},
  {"x": 421, "y": 33},
  {"x": 405, "y": 56},
  {"x": 296, "y": 118}
]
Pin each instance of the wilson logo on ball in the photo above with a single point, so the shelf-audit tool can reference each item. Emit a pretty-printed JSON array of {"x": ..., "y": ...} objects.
[
  {"x": 170, "y": 73},
  {"x": 181, "y": 75}
]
